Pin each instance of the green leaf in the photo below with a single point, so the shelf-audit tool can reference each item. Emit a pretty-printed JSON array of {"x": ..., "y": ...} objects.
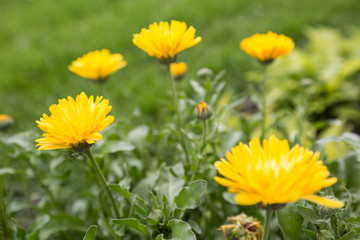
[
  {"x": 290, "y": 221},
  {"x": 198, "y": 89},
  {"x": 133, "y": 223},
  {"x": 348, "y": 236},
  {"x": 138, "y": 134},
  {"x": 308, "y": 213},
  {"x": 11, "y": 171},
  {"x": 189, "y": 197},
  {"x": 310, "y": 235},
  {"x": 20, "y": 234},
  {"x": 60, "y": 223},
  {"x": 90, "y": 233},
  {"x": 140, "y": 205},
  {"x": 181, "y": 230},
  {"x": 352, "y": 169},
  {"x": 117, "y": 146},
  {"x": 168, "y": 184},
  {"x": 160, "y": 237}
]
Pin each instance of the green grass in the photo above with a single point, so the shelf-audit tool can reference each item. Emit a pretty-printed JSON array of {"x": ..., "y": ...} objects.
[{"x": 40, "y": 38}]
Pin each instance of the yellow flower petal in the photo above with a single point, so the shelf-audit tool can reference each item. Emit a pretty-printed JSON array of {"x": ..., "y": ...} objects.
[
  {"x": 97, "y": 65},
  {"x": 330, "y": 203},
  {"x": 164, "y": 40},
  {"x": 267, "y": 47},
  {"x": 274, "y": 173},
  {"x": 73, "y": 122}
]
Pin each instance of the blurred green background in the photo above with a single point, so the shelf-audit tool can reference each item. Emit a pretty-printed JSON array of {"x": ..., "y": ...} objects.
[{"x": 40, "y": 38}]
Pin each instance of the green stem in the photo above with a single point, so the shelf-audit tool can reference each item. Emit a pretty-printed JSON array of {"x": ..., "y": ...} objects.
[
  {"x": 102, "y": 181},
  {"x": 268, "y": 215},
  {"x": 263, "y": 99},
  {"x": 202, "y": 146},
  {"x": 203, "y": 138},
  {"x": 178, "y": 116}
]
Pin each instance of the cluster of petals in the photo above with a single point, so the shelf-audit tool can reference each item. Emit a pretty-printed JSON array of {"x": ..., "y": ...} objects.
[
  {"x": 274, "y": 174},
  {"x": 73, "y": 122},
  {"x": 97, "y": 65},
  {"x": 267, "y": 47},
  {"x": 164, "y": 40}
]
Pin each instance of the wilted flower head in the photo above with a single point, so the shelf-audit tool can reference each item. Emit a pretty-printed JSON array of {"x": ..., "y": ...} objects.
[
  {"x": 267, "y": 47},
  {"x": 5, "y": 121},
  {"x": 97, "y": 65},
  {"x": 203, "y": 111},
  {"x": 242, "y": 227},
  {"x": 74, "y": 123},
  {"x": 274, "y": 174},
  {"x": 178, "y": 70},
  {"x": 164, "y": 40}
]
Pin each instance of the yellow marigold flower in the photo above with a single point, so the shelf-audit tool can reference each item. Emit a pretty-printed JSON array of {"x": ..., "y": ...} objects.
[
  {"x": 164, "y": 40},
  {"x": 5, "y": 121},
  {"x": 74, "y": 123},
  {"x": 97, "y": 65},
  {"x": 267, "y": 47},
  {"x": 178, "y": 70},
  {"x": 274, "y": 174}
]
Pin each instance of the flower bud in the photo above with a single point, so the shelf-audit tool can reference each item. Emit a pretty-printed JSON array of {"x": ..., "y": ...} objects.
[
  {"x": 203, "y": 111},
  {"x": 205, "y": 73},
  {"x": 328, "y": 211},
  {"x": 324, "y": 234},
  {"x": 178, "y": 70},
  {"x": 5, "y": 121}
]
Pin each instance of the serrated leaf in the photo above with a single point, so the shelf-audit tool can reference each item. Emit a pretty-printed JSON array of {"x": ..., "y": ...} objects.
[
  {"x": 308, "y": 213},
  {"x": 90, "y": 233},
  {"x": 290, "y": 221},
  {"x": 189, "y": 197},
  {"x": 133, "y": 223},
  {"x": 181, "y": 230},
  {"x": 139, "y": 204},
  {"x": 168, "y": 184},
  {"x": 348, "y": 236}
]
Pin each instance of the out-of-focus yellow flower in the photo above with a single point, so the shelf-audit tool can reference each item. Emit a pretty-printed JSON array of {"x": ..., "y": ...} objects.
[
  {"x": 203, "y": 111},
  {"x": 178, "y": 70},
  {"x": 97, "y": 65},
  {"x": 5, "y": 121},
  {"x": 267, "y": 47},
  {"x": 164, "y": 40},
  {"x": 73, "y": 123},
  {"x": 274, "y": 174}
]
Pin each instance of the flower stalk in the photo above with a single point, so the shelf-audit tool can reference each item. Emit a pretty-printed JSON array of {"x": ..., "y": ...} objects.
[
  {"x": 203, "y": 138},
  {"x": 178, "y": 117},
  {"x": 268, "y": 216},
  {"x": 102, "y": 181}
]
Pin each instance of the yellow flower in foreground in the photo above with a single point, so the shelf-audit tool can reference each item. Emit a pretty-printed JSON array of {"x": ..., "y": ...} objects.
[
  {"x": 178, "y": 70},
  {"x": 5, "y": 121},
  {"x": 97, "y": 65},
  {"x": 267, "y": 47},
  {"x": 164, "y": 40},
  {"x": 74, "y": 123},
  {"x": 274, "y": 174}
]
